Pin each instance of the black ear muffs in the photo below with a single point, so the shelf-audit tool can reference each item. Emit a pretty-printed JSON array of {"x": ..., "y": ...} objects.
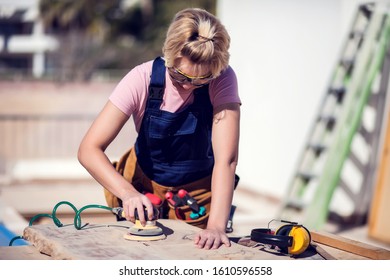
[{"x": 291, "y": 239}]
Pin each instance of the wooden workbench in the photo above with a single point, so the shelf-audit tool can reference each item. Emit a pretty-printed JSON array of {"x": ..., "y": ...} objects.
[{"x": 107, "y": 242}]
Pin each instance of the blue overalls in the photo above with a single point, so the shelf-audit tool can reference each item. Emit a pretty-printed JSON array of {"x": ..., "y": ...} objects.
[{"x": 175, "y": 148}]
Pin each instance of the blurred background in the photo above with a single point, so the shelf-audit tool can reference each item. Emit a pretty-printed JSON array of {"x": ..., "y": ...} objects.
[{"x": 60, "y": 60}]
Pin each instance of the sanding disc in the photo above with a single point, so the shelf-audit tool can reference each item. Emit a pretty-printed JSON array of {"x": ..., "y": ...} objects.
[
  {"x": 149, "y": 232},
  {"x": 133, "y": 237},
  {"x": 146, "y": 231}
]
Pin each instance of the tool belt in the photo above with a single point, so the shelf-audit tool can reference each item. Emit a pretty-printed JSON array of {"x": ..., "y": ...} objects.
[{"x": 199, "y": 190}]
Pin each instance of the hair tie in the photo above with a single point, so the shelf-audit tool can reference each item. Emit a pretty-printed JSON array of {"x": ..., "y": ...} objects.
[{"x": 206, "y": 39}]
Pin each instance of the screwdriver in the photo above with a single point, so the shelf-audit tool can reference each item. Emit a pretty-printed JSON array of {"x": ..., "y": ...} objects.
[{"x": 189, "y": 200}]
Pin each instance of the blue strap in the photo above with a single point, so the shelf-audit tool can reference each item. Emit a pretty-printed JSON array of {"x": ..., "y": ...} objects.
[{"x": 157, "y": 80}]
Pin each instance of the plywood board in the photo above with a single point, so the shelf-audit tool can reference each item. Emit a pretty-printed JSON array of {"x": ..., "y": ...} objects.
[
  {"x": 348, "y": 245},
  {"x": 108, "y": 243}
]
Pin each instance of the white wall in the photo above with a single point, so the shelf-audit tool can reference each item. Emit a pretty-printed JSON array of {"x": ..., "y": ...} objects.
[{"x": 283, "y": 52}]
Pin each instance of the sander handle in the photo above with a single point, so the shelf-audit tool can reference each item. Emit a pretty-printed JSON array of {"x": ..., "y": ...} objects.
[{"x": 121, "y": 213}]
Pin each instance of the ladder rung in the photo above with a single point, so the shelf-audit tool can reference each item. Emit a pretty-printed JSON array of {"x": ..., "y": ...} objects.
[
  {"x": 356, "y": 34},
  {"x": 366, "y": 9},
  {"x": 329, "y": 120},
  {"x": 373, "y": 100},
  {"x": 347, "y": 63},
  {"x": 338, "y": 92},
  {"x": 306, "y": 176},
  {"x": 317, "y": 148},
  {"x": 365, "y": 134},
  {"x": 296, "y": 204},
  {"x": 356, "y": 161}
]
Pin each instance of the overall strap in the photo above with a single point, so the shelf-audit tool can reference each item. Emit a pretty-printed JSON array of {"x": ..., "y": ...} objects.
[
  {"x": 157, "y": 83},
  {"x": 202, "y": 100}
]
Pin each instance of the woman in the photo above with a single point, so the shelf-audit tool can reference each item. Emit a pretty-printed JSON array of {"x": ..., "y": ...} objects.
[{"x": 186, "y": 110}]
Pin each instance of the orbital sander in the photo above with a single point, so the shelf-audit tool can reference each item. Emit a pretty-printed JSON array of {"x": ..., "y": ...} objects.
[{"x": 138, "y": 232}]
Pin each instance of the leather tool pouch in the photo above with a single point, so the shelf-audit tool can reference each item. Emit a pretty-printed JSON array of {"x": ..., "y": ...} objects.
[
  {"x": 184, "y": 212},
  {"x": 200, "y": 190}
]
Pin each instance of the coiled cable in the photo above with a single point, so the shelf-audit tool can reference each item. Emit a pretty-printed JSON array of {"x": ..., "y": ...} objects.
[{"x": 77, "y": 218}]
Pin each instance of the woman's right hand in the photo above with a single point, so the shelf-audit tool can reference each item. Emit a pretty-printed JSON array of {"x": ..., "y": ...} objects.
[{"x": 136, "y": 202}]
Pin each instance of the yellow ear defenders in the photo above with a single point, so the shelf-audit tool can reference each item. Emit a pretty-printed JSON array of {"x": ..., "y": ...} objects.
[{"x": 291, "y": 238}]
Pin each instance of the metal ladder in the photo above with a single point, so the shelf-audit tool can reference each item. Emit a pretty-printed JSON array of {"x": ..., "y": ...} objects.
[{"x": 357, "y": 88}]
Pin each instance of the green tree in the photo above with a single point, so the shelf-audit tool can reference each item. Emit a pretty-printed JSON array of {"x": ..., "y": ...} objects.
[
  {"x": 82, "y": 28},
  {"x": 108, "y": 34}
]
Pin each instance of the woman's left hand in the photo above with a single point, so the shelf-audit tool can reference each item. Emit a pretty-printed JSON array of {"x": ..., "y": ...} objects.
[{"x": 211, "y": 239}]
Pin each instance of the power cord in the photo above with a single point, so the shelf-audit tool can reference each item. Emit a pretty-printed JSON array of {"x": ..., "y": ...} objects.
[{"x": 57, "y": 222}]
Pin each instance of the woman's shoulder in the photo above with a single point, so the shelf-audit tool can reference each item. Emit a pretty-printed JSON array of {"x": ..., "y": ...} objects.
[
  {"x": 228, "y": 76},
  {"x": 224, "y": 89},
  {"x": 145, "y": 67}
]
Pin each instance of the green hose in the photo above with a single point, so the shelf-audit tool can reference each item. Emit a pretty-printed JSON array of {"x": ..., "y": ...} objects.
[{"x": 57, "y": 222}]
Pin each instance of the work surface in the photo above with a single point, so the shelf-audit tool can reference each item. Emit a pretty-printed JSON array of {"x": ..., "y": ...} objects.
[{"x": 107, "y": 242}]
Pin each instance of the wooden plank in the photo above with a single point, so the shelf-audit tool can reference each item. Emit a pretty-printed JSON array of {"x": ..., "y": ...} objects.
[
  {"x": 328, "y": 253},
  {"x": 108, "y": 242},
  {"x": 353, "y": 246},
  {"x": 379, "y": 222}
]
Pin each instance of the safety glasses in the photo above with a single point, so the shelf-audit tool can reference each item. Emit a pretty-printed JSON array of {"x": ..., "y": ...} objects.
[{"x": 182, "y": 78}]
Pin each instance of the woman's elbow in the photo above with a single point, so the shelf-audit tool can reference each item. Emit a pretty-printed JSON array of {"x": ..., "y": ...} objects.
[
  {"x": 233, "y": 163},
  {"x": 82, "y": 153}
]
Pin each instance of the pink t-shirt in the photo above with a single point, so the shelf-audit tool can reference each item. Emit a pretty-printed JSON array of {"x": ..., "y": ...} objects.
[{"x": 131, "y": 93}]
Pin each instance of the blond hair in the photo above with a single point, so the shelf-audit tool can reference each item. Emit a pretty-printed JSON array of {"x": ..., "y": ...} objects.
[{"x": 199, "y": 36}]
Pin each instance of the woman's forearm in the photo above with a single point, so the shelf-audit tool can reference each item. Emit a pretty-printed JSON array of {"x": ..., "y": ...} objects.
[{"x": 222, "y": 194}]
